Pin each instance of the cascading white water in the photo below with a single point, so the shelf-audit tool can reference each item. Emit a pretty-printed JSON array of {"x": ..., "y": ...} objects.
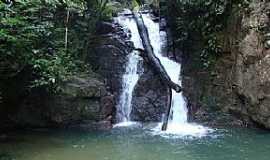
[
  {"x": 178, "y": 124},
  {"x": 131, "y": 75},
  {"x": 178, "y": 115}
]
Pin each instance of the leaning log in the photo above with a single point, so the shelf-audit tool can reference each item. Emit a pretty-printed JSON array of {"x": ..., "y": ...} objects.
[
  {"x": 149, "y": 54},
  {"x": 169, "y": 106}
]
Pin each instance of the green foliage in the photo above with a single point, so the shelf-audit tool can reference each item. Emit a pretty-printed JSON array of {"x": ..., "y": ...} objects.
[
  {"x": 201, "y": 20},
  {"x": 49, "y": 36}
]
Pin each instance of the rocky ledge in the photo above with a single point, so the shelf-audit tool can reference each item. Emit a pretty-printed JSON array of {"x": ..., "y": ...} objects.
[{"x": 83, "y": 102}]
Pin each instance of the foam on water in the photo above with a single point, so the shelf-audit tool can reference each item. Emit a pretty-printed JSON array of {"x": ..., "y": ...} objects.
[
  {"x": 176, "y": 130},
  {"x": 127, "y": 124}
]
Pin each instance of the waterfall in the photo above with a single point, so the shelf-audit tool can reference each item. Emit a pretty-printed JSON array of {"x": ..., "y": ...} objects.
[
  {"x": 178, "y": 112},
  {"x": 178, "y": 123},
  {"x": 131, "y": 75}
]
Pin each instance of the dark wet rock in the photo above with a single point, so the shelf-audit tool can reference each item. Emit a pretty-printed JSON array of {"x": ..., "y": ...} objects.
[
  {"x": 110, "y": 57},
  {"x": 149, "y": 98},
  {"x": 105, "y": 28},
  {"x": 83, "y": 98},
  {"x": 108, "y": 107}
]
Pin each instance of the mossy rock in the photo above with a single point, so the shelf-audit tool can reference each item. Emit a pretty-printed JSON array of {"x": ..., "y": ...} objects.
[{"x": 84, "y": 86}]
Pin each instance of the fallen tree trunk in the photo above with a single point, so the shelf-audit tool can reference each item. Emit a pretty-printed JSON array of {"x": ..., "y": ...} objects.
[
  {"x": 150, "y": 56},
  {"x": 169, "y": 106}
]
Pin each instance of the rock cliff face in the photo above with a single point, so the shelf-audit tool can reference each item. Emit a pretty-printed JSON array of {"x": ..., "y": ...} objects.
[
  {"x": 109, "y": 56},
  {"x": 253, "y": 64},
  {"x": 239, "y": 83}
]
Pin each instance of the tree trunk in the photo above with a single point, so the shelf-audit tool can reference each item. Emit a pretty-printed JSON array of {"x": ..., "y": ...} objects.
[
  {"x": 150, "y": 56},
  {"x": 169, "y": 106}
]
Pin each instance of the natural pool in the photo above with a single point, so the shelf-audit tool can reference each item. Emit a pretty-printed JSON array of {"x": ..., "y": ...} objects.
[{"x": 137, "y": 144}]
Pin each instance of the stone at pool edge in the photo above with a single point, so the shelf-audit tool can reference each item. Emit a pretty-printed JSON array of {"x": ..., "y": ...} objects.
[{"x": 84, "y": 98}]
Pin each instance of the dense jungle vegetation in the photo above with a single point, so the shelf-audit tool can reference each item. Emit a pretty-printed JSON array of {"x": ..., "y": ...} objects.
[
  {"x": 201, "y": 20},
  {"x": 47, "y": 39}
]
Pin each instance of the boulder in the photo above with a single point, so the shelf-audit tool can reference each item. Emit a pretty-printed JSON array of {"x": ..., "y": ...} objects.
[
  {"x": 84, "y": 98},
  {"x": 150, "y": 98}
]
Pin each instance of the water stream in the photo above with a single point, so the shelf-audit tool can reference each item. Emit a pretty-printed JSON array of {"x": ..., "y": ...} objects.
[{"x": 131, "y": 75}]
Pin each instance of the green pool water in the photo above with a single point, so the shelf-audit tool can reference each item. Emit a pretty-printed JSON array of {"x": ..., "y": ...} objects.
[{"x": 137, "y": 144}]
